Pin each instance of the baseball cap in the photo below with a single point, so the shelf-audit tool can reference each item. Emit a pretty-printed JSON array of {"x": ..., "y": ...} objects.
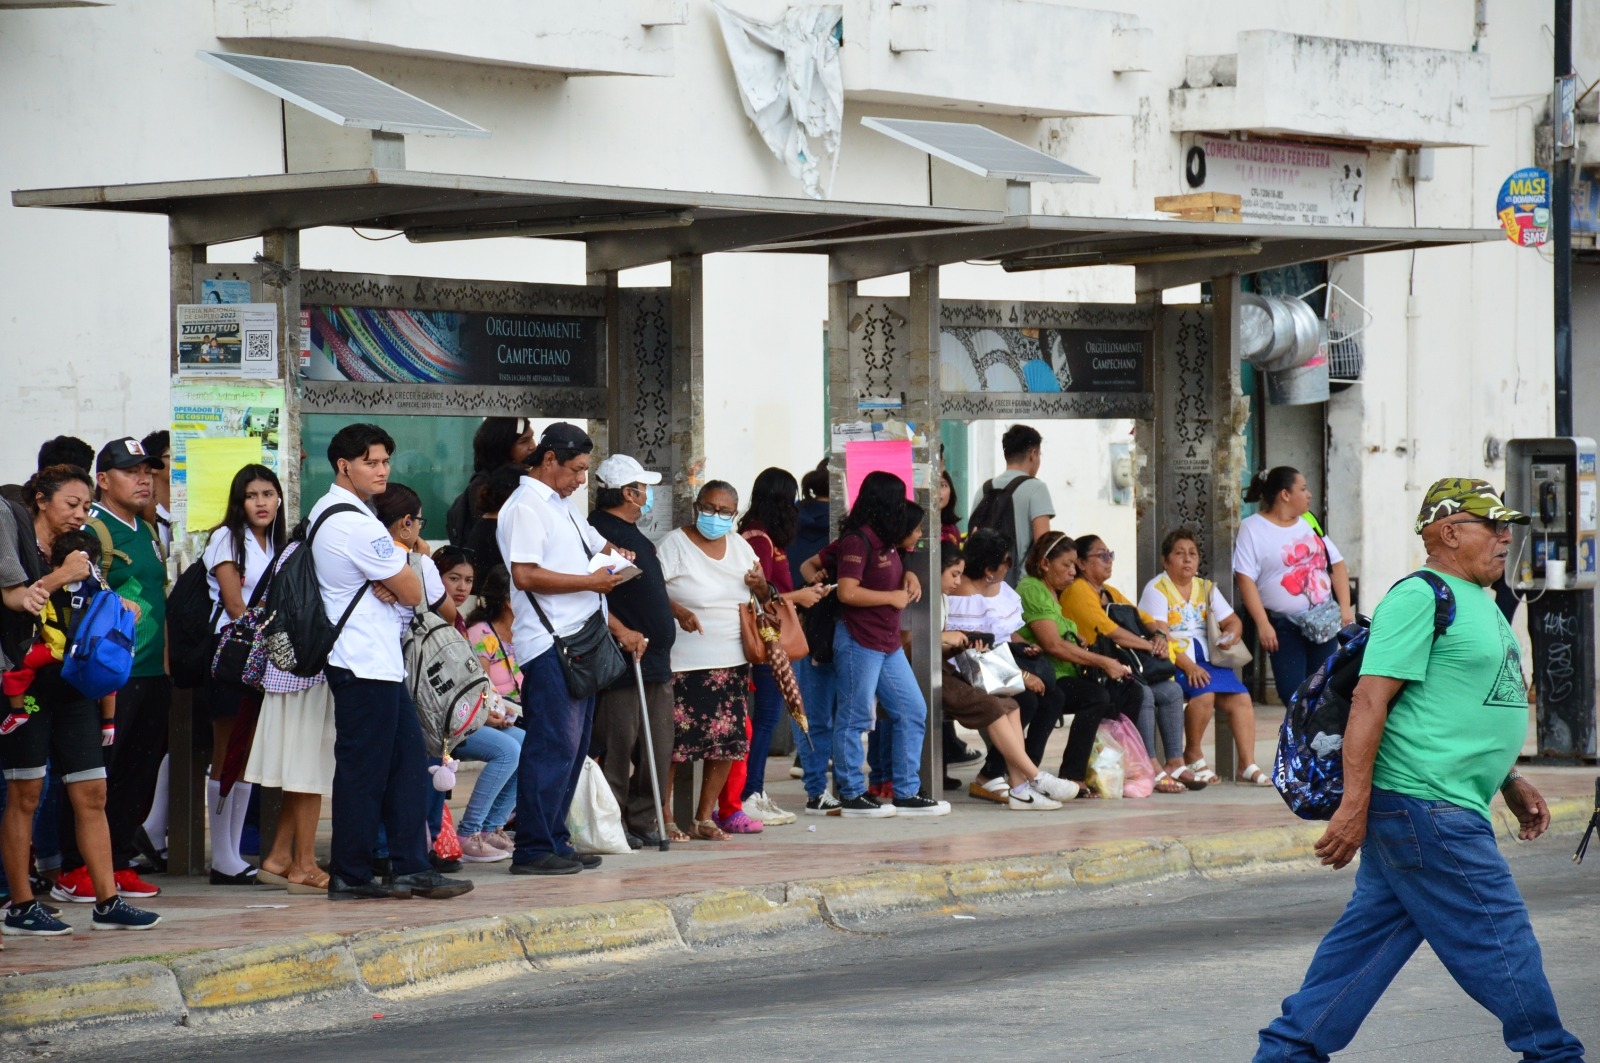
[
  {"x": 565, "y": 436},
  {"x": 619, "y": 470},
  {"x": 124, "y": 453},
  {"x": 1460, "y": 494}
]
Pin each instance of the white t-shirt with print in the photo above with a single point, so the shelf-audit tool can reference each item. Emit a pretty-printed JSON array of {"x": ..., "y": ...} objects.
[
  {"x": 1288, "y": 565},
  {"x": 1186, "y": 620},
  {"x": 219, "y": 549},
  {"x": 713, "y": 591},
  {"x": 352, "y": 550}
]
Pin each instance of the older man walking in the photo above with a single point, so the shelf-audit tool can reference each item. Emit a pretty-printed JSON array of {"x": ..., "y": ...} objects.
[{"x": 1435, "y": 727}]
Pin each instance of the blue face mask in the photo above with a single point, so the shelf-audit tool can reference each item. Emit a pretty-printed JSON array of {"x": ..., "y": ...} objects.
[
  {"x": 649, "y": 500},
  {"x": 713, "y": 527}
]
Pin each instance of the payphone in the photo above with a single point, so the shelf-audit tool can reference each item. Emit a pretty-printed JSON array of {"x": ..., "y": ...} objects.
[{"x": 1553, "y": 481}]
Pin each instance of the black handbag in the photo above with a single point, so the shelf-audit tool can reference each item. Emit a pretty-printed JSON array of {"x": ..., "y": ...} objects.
[
  {"x": 1147, "y": 667},
  {"x": 590, "y": 658}
]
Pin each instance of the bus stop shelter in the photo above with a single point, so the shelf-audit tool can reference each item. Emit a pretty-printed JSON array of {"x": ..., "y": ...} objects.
[{"x": 635, "y": 363}]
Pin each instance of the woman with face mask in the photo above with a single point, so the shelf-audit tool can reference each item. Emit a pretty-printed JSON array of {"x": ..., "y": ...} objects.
[{"x": 709, "y": 573}]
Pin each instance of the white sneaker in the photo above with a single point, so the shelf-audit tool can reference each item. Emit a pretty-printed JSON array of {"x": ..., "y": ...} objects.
[
  {"x": 767, "y": 810},
  {"x": 1030, "y": 800},
  {"x": 1055, "y": 788}
]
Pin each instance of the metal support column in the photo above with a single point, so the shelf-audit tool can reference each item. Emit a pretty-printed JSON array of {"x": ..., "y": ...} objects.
[
  {"x": 1229, "y": 413},
  {"x": 688, "y": 444},
  {"x": 280, "y": 284},
  {"x": 922, "y": 409}
]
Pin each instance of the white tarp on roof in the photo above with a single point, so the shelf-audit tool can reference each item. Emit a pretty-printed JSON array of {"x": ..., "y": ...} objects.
[{"x": 791, "y": 86}]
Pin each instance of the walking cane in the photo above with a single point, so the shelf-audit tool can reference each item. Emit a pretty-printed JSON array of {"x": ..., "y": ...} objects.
[{"x": 650, "y": 756}]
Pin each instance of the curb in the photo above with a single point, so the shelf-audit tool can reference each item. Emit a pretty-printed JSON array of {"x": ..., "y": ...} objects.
[{"x": 198, "y": 988}]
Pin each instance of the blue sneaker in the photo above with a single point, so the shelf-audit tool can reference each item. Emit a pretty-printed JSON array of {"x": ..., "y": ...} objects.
[
  {"x": 118, "y": 914},
  {"x": 33, "y": 919}
]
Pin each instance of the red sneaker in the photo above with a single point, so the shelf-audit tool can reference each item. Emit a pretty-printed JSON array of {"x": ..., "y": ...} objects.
[
  {"x": 129, "y": 884},
  {"x": 74, "y": 887}
]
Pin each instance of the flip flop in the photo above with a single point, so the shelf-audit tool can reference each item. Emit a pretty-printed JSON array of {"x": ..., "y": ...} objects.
[
  {"x": 675, "y": 834},
  {"x": 708, "y": 831},
  {"x": 1166, "y": 784}
]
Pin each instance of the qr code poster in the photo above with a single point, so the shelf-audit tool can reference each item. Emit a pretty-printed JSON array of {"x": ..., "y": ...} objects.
[{"x": 232, "y": 340}]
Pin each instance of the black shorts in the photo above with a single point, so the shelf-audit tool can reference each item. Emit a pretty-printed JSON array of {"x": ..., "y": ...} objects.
[{"x": 64, "y": 733}]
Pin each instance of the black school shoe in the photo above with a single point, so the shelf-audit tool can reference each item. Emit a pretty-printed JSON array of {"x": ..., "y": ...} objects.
[
  {"x": 548, "y": 864},
  {"x": 431, "y": 885},
  {"x": 247, "y": 877},
  {"x": 371, "y": 890},
  {"x": 443, "y": 866}
]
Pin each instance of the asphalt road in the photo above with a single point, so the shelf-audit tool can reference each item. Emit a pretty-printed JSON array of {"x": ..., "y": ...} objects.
[{"x": 1183, "y": 971}]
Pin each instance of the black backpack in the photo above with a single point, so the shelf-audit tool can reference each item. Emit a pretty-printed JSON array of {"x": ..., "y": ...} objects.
[
  {"x": 191, "y": 628},
  {"x": 299, "y": 634},
  {"x": 996, "y": 510}
]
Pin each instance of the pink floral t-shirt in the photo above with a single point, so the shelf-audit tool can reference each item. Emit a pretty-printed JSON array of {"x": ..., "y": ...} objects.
[{"x": 1288, "y": 565}]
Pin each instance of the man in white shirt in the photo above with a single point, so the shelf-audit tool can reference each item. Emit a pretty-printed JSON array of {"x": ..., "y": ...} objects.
[
  {"x": 547, "y": 545},
  {"x": 380, "y": 770}
]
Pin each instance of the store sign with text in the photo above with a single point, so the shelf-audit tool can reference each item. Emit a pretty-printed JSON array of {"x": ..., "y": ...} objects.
[
  {"x": 1042, "y": 360},
  {"x": 1279, "y": 180}
]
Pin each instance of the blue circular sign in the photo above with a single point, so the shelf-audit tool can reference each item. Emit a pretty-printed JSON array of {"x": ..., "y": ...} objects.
[{"x": 1523, "y": 207}]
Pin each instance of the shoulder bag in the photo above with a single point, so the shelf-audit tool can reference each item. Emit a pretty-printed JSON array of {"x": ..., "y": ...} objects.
[
  {"x": 1147, "y": 667},
  {"x": 590, "y": 658},
  {"x": 776, "y": 621},
  {"x": 1321, "y": 622},
  {"x": 1234, "y": 656}
]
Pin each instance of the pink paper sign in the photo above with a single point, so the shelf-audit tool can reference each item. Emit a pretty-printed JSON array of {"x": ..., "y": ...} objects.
[{"x": 875, "y": 455}]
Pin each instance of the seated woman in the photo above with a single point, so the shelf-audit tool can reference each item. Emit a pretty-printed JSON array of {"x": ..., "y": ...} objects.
[
  {"x": 489, "y": 631},
  {"x": 999, "y": 719},
  {"x": 1084, "y": 603},
  {"x": 1184, "y": 601},
  {"x": 1052, "y": 567},
  {"x": 986, "y": 607}
]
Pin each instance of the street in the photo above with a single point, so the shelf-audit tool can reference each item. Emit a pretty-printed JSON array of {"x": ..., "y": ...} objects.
[{"x": 1184, "y": 970}]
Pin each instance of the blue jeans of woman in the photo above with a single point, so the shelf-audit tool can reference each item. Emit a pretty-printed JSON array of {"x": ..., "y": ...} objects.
[
  {"x": 863, "y": 675},
  {"x": 816, "y": 744},
  {"x": 1430, "y": 871},
  {"x": 495, "y": 795},
  {"x": 1297, "y": 657},
  {"x": 766, "y": 711}
]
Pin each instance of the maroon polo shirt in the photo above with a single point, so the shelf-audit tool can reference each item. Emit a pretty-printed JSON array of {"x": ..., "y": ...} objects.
[{"x": 878, "y": 568}]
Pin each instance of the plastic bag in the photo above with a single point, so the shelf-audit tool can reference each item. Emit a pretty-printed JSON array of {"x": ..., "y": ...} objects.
[
  {"x": 447, "y": 846},
  {"x": 1105, "y": 765},
  {"x": 1138, "y": 770},
  {"x": 594, "y": 819},
  {"x": 993, "y": 671}
]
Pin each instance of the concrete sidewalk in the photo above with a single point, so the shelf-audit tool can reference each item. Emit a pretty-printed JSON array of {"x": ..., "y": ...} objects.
[{"x": 819, "y": 871}]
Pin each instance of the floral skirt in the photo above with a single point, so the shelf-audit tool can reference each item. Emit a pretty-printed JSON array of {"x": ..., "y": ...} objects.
[{"x": 708, "y": 714}]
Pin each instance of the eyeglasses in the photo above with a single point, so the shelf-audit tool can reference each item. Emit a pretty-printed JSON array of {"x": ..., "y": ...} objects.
[
  {"x": 418, "y": 521},
  {"x": 708, "y": 512},
  {"x": 1496, "y": 528},
  {"x": 1105, "y": 555}
]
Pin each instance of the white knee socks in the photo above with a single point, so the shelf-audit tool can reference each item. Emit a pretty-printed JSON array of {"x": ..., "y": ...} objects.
[
  {"x": 227, "y": 823},
  {"x": 155, "y": 824}
]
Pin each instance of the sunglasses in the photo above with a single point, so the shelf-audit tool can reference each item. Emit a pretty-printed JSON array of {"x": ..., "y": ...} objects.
[{"x": 1496, "y": 528}]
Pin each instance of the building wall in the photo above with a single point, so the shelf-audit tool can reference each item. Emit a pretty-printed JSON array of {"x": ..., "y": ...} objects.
[{"x": 1458, "y": 349}]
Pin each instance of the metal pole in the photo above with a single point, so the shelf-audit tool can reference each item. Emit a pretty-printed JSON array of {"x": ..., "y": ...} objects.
[{"x": 1561, "y": 223}]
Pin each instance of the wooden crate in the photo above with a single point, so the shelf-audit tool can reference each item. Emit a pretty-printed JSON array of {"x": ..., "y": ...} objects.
[{"x": 1202, "y": 206}]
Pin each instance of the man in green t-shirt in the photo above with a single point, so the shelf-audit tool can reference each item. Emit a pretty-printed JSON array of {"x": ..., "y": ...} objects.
[
  {"x": 133, "y": 566},
  {"x": 1434, "y": 731}
]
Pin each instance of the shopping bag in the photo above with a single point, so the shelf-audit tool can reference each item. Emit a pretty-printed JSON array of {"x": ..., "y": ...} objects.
[
  {"x": 1105, "y": 765},
  {"x": 991, "y": 671},
  {"x": 447, "y": 846},
  {"x": 1138, "y": 770},
  {"x": 594, "y": 820}
]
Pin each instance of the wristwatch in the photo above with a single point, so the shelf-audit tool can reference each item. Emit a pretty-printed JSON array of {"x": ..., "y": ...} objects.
[{"x": 1511, "y": 778}]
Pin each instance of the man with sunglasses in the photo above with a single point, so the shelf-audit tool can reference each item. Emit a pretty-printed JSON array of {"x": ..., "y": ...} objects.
[{"x": 1435, "y": 727}]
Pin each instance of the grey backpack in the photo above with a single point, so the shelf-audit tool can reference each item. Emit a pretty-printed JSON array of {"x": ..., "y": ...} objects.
[{"x": 447, "y": 682}]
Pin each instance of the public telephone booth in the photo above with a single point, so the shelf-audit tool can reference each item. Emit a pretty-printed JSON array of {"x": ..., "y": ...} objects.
[{"x": 430, "y": 356}]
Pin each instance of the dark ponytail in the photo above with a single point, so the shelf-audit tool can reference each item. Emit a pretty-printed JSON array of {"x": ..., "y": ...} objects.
[{"x": 1268, "y": 484}]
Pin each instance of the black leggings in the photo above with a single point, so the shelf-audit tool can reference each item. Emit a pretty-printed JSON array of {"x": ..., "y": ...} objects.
[{"x": 1089, "y": 702}]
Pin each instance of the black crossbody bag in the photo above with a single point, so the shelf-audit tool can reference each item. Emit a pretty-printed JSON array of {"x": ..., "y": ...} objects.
[{"x": 590, "y": 658}]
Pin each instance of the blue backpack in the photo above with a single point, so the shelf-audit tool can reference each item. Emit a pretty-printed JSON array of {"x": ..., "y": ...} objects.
[
  {"x": 100, "y": 647},
  {"x": 1308, "y": 770}
]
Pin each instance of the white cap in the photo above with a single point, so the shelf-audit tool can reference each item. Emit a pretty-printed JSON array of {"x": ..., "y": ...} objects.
[{"x": 619, "y": 470}]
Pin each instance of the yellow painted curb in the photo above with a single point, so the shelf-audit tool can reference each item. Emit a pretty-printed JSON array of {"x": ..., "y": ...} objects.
[
  {"x": 124, "y": 992},
  {"x": 1021, "y": 876},
  {"x": 254, "y": 975},
  {"x": 1113, "y": 863},
  {"x": 879, "y": 892},
  {"x": 559, "y": 937},
  {"x": 718, "y": 916},
  {"x": 1265, "y": 849},
  {"x": 467, "y": 951}
]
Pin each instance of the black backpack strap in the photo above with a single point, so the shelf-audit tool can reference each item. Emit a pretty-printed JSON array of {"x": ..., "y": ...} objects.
[
  {"x": 1010, "y": 489},
  {"x": 340, "y": 507}
]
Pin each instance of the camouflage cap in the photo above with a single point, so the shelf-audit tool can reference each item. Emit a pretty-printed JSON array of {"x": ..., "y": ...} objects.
[{"x": 1458, "y": 494}]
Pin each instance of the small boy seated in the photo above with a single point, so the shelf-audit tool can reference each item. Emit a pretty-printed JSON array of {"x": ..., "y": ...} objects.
[{"x": 56, "y": 623}]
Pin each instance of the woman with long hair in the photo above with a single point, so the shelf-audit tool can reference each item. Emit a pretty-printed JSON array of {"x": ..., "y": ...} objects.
[
  {"x": 237, "y": 555},
  {"x": 498, "y": 441},
  {"x": 458, "y": 571},
  {"x": 949, "y": 516}
]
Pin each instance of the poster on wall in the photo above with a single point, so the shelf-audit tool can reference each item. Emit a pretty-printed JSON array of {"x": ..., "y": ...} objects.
[
  {"x": 228, "y": 340},
  {"x": 1042, "y": 360},
  {"x": 1279, "y": 180},
  {"x": 1523, "y": 207},
  {"x": 216, "y": 430},
  {"x": 374, "y": 345}
]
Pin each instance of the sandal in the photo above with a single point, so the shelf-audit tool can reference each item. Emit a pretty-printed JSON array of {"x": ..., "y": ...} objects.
[
  {"x": 1084, "y": 793},
  {"x": 1189, "y": 779},
  {"x": 1203, "y": 772},
  {"x": 1166, "y": 784},
  {"x": 1252, "y": 776},
  {"x": 708, "y": 831},
  {"x": 674, "y": 834},
  {"x": 311, "y": 886}
]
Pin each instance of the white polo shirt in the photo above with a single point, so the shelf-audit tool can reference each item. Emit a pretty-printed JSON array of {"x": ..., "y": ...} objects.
[
  {"x": 539, "y": 527},
  {"x": 352, "y": 550}
]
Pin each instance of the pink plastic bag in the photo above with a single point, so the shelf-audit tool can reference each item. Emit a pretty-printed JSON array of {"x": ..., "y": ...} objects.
[{"x": 1138, "y": 771}]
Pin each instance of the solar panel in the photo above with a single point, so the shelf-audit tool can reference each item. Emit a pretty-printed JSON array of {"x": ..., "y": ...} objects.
[
  {"x": 980, "y": 150},
  {"x": 343, "y": 95}
]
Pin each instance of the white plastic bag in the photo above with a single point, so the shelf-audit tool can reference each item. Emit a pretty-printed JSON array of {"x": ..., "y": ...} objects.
[
  {"x": 594, "y": 818},
  {"x": 1106, "y": 766},
  {"x": 991, "y": 671}
]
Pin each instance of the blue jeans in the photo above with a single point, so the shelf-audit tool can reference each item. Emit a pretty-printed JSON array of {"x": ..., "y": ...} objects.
[
  {"x": 880, "y": 752},
  {"x": 495, "y": 794},
  {"x": 1430, "y": 871},
  {"x": 817, "y": 684},
  {"x": 558, "y": 730},
  {"x": 379, "y": 777},
  {"x": 766, "y": 710},
  {"x": 1297, "y": 657},
  {"x": 862, "y": 675}
]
